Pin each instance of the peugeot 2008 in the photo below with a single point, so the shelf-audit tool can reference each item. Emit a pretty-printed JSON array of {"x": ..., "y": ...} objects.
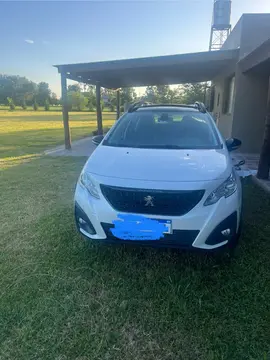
[{"x": 162, "y": 176}]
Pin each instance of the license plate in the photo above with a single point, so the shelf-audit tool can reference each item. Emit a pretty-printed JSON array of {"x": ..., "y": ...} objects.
[
  {"x": 138, "y": 227},
  {"x": 168, "y": 224}
]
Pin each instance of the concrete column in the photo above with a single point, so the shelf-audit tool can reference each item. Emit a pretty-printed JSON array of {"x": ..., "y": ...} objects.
[
  {"x": 99, "y": 111},
  {"x": 264, "y": 164},
  {"x": 65, "y": 111},
  {"x": 117, "y": 104}
]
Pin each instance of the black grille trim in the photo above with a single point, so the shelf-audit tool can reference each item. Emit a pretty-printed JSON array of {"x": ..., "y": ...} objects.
[{"x": 166, "y": 202}]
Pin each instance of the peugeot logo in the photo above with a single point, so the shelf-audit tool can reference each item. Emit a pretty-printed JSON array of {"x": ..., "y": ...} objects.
[{"x": 149, "y": 200}]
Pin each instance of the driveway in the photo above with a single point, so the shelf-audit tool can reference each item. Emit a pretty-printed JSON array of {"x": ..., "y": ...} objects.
[{"x": 83, "y": 147}]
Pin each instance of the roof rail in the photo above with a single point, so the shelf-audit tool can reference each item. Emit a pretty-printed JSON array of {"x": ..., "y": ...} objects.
[
  {"x": 200, "y": 106},
  {"x": 137, "y": 105}
]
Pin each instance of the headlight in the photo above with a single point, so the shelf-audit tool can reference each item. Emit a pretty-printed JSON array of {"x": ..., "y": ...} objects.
[
  {"x": 87, "y": 182},
  {"x": 226, "y": 189}
]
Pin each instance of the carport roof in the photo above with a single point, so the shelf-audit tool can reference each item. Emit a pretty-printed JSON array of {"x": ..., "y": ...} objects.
[{"x": 161, "y": 70}]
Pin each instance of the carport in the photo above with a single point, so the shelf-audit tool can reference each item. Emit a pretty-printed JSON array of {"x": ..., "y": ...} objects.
[{"x": 161, "y": 70}]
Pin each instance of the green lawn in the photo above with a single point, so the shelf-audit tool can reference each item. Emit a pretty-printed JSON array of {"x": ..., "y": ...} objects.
[
  {"x": 65, "y": 298},
  {"x": 30, "y": 132}
]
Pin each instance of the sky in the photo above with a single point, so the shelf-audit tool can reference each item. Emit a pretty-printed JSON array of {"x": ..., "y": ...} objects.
[{"x": 38, "y": 34}]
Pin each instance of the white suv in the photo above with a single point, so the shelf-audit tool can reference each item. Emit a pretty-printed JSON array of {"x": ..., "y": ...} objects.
[{"x": 162, "y": 176}]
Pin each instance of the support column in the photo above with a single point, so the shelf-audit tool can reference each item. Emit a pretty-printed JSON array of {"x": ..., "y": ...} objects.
[
  {"x": 65, "y": 111},
  {"x": 99, "y": 111},
  {"x": 264, "y": 163},
  {"x": 118, "y": 104}
]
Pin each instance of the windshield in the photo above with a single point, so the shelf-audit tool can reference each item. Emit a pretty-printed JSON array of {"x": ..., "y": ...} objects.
[{"x": 164, "y": 129}]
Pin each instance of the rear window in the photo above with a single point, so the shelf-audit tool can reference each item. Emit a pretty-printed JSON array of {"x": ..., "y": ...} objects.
[{"x": 164, "y": 129}]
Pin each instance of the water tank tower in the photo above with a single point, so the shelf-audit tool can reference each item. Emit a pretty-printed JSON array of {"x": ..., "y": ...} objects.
[{"x": 221, "y": 24}]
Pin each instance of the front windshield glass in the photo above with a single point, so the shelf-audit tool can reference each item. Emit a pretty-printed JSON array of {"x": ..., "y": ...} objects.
[{"x": 165, "y": 129}]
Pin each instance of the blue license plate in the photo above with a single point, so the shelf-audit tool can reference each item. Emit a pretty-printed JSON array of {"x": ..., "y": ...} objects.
[
  {"x": 168, "y": 224},
  {"x": 138, "y": 227}
]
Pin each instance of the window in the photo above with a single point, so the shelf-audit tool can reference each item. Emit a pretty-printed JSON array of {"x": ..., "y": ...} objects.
[
  {"x": 164, "y": 129},
  {"x": 229, "y": 95},
  {"x": 212, "y": 98},
  {"x": 218, "y": 99}
]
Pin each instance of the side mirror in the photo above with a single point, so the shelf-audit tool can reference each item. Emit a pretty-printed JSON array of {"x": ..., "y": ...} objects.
[
  {"x": 97, "y": 139},
  {"x": 233, "y": 144}
]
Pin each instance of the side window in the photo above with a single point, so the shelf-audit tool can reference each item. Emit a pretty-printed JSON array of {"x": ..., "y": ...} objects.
[
  {"x": 218, "y": 99},
  {"x": 229, "y": 95},
  {"x": 212, "y": 98}
]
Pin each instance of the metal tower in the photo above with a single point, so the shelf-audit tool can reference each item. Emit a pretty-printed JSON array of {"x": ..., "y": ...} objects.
[{"x": 221, "y": 24}]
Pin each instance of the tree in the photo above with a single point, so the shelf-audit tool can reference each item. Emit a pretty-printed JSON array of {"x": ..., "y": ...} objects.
[
  {"x": 183, "y": 94},
  {"x": 43, "y": 93},
  {"x": 47, "y": 105},
  {"x": 54, "y": 99},
  {"x": 24, "y": 107},
  {"x": 90, "y": 95},
  {"x": 193, "y": 92},
  {"x": 74, "y": 88},
  {"x": 161, "y": 94},
  {"x": 76, "y": 100},
  {"x": 11, "y": 103},
  {"x": 35, "y": 105},
  {"x": 127, "y": 95},
  {"x": 16, "y": 87}
]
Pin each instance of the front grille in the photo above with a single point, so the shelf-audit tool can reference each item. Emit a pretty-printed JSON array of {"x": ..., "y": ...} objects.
[
  {"x": 154, "y": 202},
  {"x": 178, "y": 239}
]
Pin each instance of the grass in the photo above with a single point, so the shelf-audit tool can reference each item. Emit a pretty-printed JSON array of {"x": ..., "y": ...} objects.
[
  {"x": 30, "y": 108},
  {"x": 64, "y": 298},
  {"x": 41, "y": 108},
  {"x": 29, "y": 132}
]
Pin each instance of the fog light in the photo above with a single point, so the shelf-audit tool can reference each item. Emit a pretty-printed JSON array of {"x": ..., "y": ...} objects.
[
  {"x": 83, "y": 222},
  {"x": 226, "y": 232}
]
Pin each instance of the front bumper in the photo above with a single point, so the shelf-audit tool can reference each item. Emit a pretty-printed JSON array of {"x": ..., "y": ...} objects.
[{"x": 202, "y": 228}]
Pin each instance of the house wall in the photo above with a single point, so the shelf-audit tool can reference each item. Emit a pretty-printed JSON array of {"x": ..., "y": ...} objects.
[
  {"x": 234, "y": 40},
  {"x": 247, "y": 118},
  {"x": 251, "y": 90},
  {"x": 250, "y": 111},
  {"x": 224, "y": 120},
  {"x": 255, "y": 30}
]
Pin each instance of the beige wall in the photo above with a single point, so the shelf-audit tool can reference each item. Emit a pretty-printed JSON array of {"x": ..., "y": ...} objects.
[
  {"x": 255, "y": 30},
  {"x": 234, "y": 40},
  {"x": 250, "y": 111},
  {"x": 224, "y": 121},
  {"x": 251, "y": 90},
  {"x": 247, "y": 119}
]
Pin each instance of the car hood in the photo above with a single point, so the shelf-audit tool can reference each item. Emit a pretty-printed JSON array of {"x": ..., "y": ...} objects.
[{"x": 159, "y": 164}]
